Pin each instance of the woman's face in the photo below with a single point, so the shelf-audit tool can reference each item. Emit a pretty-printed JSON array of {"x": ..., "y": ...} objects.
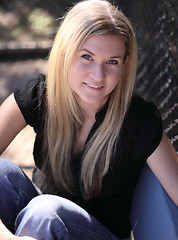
[{"x": 97, "y": 69}]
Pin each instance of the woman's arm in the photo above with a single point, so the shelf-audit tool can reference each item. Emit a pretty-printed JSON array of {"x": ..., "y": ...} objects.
[
  {"x": 11, "y": 122},
  {"x": 164, "y": 164},
  {"x": 7, "y": 235}
]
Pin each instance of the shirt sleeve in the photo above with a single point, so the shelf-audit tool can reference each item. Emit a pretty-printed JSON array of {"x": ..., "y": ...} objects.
[
  {"x": 29, "y": 98},
  {"x": 146, "y": 130}
]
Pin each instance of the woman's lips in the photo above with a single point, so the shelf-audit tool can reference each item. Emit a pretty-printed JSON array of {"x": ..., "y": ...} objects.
[{"x": 93, "y": 86}]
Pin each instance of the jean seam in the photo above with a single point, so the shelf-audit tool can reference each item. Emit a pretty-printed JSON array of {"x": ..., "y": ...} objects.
[
  {"x": 18, "y": 197},
  {"x": 59, "y": 231},
  {"x": 20, "y": 191},
  {"x": 84, "y": 230}
]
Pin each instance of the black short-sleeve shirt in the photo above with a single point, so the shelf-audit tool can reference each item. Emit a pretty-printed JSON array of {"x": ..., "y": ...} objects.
[{"x": 140, "y": 135}]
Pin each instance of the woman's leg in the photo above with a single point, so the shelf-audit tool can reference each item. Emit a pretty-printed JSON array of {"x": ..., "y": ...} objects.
[
  {"x": 16, "y": 191},
  {"x": 50, "y": 217}
]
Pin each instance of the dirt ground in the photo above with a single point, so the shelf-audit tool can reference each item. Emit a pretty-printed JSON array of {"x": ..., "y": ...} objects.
[{"x": 12, "y": 74}]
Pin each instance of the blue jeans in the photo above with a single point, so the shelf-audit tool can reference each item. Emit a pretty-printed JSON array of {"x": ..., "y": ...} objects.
[{"x": 44, "y": 217}]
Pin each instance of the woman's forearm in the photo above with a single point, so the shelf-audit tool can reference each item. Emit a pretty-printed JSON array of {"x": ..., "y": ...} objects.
[{"x": 7, "y": 235}]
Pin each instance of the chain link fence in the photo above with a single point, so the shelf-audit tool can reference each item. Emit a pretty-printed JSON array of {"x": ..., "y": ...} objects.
[{"x": 156, "y": 25}]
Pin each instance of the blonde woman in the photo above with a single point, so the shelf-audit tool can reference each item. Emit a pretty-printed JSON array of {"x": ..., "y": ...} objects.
[{"x": 93, "y": 135}]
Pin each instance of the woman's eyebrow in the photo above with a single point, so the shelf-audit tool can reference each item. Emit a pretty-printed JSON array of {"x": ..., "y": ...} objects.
[
  {"x": 116, "y": 57},
  {"x": 86, "y": 50}
]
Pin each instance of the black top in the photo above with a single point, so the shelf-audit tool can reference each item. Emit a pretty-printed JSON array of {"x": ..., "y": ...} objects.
[{"x": 140, "y": 135}]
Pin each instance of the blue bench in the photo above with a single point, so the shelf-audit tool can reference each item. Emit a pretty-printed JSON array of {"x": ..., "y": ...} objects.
[{"x": 154, "y": 216}]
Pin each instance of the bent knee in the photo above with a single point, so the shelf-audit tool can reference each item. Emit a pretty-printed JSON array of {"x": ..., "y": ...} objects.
[
  {"x": 48, "y": 202},
  {"x": 8, "y": 175},
  {"x": 49, "y": 206},
  {"x": 6, "y": 166},
  {"x": 41, "y": 212},
  {"x": 45, "y": 205}
]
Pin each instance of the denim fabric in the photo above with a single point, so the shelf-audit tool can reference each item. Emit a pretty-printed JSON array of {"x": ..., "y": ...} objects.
[
  {"x": 44, "y": 217},
  {"x": 16, "y": 191},
  {"x": 54, "y": 217}
]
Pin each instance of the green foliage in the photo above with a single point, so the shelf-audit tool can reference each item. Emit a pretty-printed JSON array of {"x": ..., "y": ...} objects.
[
  {"x": 40, "y": 21},
  {"x": 24, "y": 20}
]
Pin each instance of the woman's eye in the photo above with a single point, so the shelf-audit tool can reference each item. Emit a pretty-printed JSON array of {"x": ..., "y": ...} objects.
[
  {"x": 87, "y": 57},
  {"x": 112, "y": 62}
]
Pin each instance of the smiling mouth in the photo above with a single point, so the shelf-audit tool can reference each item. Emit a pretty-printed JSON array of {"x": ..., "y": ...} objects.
[{"x": 93, "y": 86}]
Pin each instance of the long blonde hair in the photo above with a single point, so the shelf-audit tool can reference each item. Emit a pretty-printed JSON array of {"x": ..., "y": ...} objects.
[{"x": 87, "y": 18}]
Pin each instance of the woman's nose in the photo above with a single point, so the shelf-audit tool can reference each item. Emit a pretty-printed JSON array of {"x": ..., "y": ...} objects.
[{"x": 98, "y": 72}]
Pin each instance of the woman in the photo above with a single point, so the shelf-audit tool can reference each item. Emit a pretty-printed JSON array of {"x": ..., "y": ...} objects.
[{"x": 93, "y": 134}]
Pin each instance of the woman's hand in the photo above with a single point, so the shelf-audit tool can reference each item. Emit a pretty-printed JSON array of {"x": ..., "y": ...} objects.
[
  {"x": 24, "y": 238},
  {"x": 7, "y": 235}
]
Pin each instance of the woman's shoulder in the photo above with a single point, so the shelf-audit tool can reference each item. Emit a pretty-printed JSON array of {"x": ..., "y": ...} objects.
[
  {"x": 142, "y": 127},
  {"x": 31, "y": 88},
  {"x": 141, "y": 109},
  {"x": 30, "y": 98}
]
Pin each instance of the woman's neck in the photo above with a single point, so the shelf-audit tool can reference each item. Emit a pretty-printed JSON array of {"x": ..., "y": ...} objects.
[{"x": 89, "y": 110}]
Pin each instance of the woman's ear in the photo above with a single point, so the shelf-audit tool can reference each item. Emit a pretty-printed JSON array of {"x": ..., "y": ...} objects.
[{"x": 126, "y": 58}]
